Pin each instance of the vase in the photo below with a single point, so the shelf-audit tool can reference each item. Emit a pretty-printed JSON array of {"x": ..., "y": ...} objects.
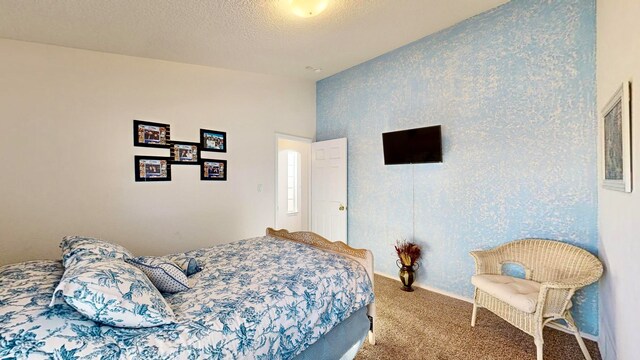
[{"x": 407, "y": 274}]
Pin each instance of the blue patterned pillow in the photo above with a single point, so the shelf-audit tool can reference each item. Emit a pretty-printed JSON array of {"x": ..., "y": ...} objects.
[
  {"x": 165, "y": 275},
  {"x": 188, "y": 265},
  {"x": 82, "y": 248},
  {"x": 114, "y": 293}
]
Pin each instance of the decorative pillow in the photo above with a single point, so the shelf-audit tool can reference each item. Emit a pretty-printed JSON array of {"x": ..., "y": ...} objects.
[
  {"x": 114, "y": 293},
  {"x": 165, "y": 275},
  {"x": 188, "y": 265},
  {"x": 81, "y": 248}
]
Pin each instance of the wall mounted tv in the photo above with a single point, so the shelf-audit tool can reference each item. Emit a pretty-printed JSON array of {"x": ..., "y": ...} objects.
[{"x": 413, "y": 146}]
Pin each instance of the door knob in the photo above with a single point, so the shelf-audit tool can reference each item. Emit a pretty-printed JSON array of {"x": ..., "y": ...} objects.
[{"x": 342, "y": 207}]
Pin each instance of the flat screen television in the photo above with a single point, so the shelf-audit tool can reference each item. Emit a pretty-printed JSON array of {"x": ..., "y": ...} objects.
[{"x": 413, "y": 146}]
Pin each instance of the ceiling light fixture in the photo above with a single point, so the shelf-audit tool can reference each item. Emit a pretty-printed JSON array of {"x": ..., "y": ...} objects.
[{"x": 308, "y": 8}]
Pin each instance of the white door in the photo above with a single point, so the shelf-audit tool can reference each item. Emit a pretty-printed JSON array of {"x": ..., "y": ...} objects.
[{"x": 329, "y": 189}]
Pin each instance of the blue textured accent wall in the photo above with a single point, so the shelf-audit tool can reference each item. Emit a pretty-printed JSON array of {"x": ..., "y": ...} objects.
[{"x": 514, "y": 90}]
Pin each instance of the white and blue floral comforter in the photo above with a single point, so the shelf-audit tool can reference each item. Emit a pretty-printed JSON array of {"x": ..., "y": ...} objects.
[{"x": 261, "y": 298}]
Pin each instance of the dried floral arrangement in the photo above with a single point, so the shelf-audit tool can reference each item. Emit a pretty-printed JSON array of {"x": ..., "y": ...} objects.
[{"x": 408, "y": 252}]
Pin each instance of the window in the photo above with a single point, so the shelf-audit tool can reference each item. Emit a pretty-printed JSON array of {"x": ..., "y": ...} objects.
[{"x": 293, "y": 159}]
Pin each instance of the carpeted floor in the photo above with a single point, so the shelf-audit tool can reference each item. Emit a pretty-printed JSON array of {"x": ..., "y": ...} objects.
[{"x": 427, "y": 325}]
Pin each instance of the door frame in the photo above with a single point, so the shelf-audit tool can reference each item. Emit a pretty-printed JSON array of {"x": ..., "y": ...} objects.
[{"x": 283, "y": 136}]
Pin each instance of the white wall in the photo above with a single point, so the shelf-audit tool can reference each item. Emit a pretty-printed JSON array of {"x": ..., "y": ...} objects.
[
  {"x": 66, "y": 149},
  {"x": 618, "y": 59},
  {"x": 300, "y": 220}
]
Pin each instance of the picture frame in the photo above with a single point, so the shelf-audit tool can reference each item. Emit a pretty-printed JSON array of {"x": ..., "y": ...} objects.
[
  {"x": 151, "y": 134},
  {"x": 213, "y": 170},
  {"x": 616, "y": 140},
  {"x": 213, "y": 140},
  {"x": 152, "y": 168},
  {"x": 184, "y": 153}
]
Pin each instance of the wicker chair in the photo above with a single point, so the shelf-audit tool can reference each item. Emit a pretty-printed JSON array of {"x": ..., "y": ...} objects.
[{"x": 553, "y": 272}]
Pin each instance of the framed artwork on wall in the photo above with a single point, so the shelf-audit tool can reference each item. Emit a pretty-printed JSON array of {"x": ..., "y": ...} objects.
[
  {"x": 212, "y": 169},
  {"x": 616, "y": 140},
  {"x": 212, "y": 140},
  {"x": 152, "y": 168},
  {"x": 185, "y": 153},
  {"x": 151, "y": 134}
]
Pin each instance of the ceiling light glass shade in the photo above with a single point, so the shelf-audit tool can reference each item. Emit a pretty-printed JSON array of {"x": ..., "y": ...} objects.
[{"x": 308, "y": 8}]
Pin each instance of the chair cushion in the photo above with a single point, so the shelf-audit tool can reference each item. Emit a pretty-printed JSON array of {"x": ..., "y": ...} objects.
[{"x": 519, "y": 293}]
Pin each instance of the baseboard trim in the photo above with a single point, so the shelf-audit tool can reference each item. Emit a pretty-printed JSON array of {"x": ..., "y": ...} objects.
[
  {"x": 430, "y": 288},
  {"x": 470, "y": 300},
  {"x": 606, "y": 343},
  {"x": 564, "y": 329}
]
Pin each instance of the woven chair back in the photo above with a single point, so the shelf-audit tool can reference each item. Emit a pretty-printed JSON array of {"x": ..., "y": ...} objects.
[{"x": 548, "y": 260}]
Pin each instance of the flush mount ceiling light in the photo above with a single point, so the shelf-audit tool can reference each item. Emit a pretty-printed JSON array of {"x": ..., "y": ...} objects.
[{"x": 308, "y": 8}]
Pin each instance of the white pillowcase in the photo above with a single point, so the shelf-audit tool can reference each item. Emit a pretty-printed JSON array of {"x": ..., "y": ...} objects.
[
  {"x": 83, "y": 248},
  {"x": 114, "y": 293}
]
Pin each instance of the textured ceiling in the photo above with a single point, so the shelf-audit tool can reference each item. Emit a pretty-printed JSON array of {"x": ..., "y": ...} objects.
[{"x": 250, "y": 35}]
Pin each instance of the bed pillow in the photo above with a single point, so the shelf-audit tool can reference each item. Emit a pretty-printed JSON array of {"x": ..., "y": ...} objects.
[
  {"x": 114, "y": 293},
  {"x": 188, "y": 265},
  {"x": 82, "y": 248},
  {"x": 165, "y": 275}
]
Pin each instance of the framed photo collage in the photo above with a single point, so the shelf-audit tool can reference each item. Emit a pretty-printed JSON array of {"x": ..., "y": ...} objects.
[{"x": 158, "y": 168}]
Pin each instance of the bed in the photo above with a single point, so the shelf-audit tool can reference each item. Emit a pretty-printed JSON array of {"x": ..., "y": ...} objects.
[{"x": 281, "y": 296}]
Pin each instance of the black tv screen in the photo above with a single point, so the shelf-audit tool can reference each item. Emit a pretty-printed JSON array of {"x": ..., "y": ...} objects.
[{"x": 413, "y": 146}]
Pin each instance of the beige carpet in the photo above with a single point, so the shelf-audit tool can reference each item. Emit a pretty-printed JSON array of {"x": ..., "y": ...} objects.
[{"x": 427, "y": 325}]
